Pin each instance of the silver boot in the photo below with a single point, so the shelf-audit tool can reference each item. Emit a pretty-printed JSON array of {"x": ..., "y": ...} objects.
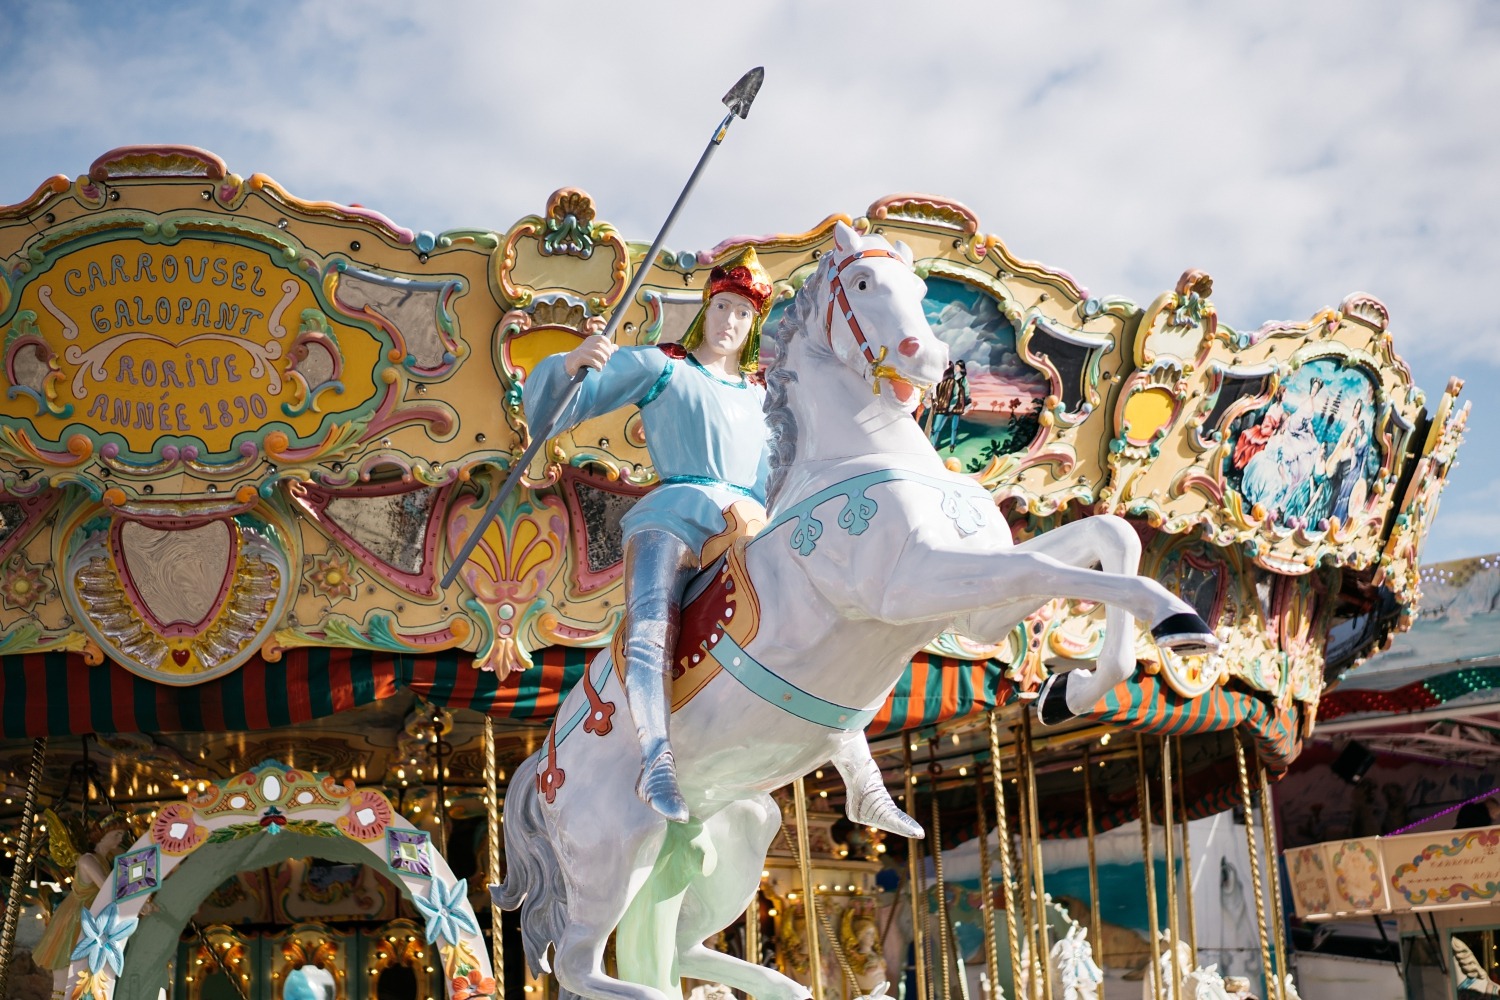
[
  {"x": 868, "y": 802},
  {"x": 657, "y": 568}
]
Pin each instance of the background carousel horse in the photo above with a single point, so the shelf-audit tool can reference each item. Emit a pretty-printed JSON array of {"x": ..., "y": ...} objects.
[
  {"x": 871, "y": 550},
  {"x": 1204, "y": 984},
  {"x": 1075, "y": 976},
  {"x": 1170, "y": 964}
]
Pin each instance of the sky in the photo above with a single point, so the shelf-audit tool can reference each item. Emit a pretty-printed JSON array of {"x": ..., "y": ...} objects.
[{"x": 1296, "y": 151}]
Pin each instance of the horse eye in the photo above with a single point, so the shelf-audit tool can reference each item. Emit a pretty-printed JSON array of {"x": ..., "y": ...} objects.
[{"x": 861, "y": 285}]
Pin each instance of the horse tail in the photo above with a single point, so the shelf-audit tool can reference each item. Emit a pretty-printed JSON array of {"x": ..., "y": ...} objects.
[{"x": 534, "y": 878}]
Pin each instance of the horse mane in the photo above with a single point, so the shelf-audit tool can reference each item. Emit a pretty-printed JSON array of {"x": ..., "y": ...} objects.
[{"x": 799, "y": 316}]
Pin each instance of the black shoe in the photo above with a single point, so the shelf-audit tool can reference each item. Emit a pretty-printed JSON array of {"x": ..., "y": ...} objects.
[
  {"x": 1185, "y": 634},
  {"x": 1052, "y": 702}
]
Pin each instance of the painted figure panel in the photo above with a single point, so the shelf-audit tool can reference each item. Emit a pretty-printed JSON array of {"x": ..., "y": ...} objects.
[
  {"x": 989, "y": 402},
  {"x": 1309, "y": 454}
]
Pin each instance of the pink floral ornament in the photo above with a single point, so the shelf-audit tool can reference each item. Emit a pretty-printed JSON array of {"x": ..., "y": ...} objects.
[
  {"x": 333, "y": 575},
  {"x": 175, "y": 829},
  {"x": 22, "y": 585},
  {"x": 368, "y": 815}
]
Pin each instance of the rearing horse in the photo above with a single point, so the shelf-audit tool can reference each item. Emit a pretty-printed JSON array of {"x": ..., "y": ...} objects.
[{"x": 872, "y": 548}]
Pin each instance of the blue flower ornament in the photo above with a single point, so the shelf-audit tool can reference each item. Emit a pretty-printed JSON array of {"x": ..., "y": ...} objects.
[
  {"x": 101, "y": 939},
  {"x": 447, "y": 913}
]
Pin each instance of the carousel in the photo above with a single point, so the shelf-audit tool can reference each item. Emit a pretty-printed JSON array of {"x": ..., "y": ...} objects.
[{"x": 270, "y": 732}]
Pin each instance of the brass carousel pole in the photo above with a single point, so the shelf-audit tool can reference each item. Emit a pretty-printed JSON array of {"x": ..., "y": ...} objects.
[
  {"x": 22, "y": 858},
  {"x": 1044, "y": 947},
  {"x": 945, "y": 944},
  {"x": 492, "y": 803},
  {"x": 1271, "y": 979},
  {"x": 986, "y": 888},
  {"x": 1024, "y": 879},
  {"x": 1002, "y": 836},
  {"x": 1278, "y": 917},
  {"x": 1088, "y": 815},
  {"x": 752, "y": 928},
  {"x": 914, "y": 868},
  {"x": 809, "y": 892},
  {"x": 1187, "y": 851},
  {"x": 1143, "y": 796},
  {"x": 1174, "y": 929}
]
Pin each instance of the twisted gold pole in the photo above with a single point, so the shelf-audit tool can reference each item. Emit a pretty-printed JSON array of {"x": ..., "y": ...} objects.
[
  {"x": 1260, "y": 903},
  {"x": 1174, "y": 928},
  {"x": 986, "y": 888},
  {"x": 1187, "y": 851},
  {"x": 914, "y": 881},
  {"x": 824, "y": 922},
  {"x": 809, "y": 892},
  {"x": 1044, "y": 946},
  {"x": 1088, "y": 815},
  {"x": 1025, "y": 881},
  {"x": 492, "y": 806},
  {"x": 945, "y": 943},
  {"x": 1273, "y": 865},
  {"x": 1002, "y": 837},
  {"x": 752, "y": 928},
  {"x": 22, "y": 859},
  {"x": 1143, "y": 796}
]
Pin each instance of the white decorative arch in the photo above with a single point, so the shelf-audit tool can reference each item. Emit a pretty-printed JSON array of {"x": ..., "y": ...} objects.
[{"x": 269, "y": 800}]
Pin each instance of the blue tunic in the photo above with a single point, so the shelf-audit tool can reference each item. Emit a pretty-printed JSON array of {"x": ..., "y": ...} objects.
[{"x": 707, "y": 436}]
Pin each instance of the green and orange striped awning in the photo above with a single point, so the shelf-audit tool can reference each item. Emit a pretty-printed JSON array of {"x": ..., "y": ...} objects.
[{"x": 58, "y": 694}]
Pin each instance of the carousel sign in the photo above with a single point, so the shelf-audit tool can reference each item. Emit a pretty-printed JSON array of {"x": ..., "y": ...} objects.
[{"x": 193, "y": 348}]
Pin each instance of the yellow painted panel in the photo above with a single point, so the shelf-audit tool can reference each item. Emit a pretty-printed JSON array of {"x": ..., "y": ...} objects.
[
  {"x": 1146, "y": 413},
  {"x": 191, "y": 339}
]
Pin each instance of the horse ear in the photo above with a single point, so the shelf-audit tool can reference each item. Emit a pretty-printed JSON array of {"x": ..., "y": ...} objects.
[
  {"x": 903, "y": 251},
  {"x": 844, "y": 237}
]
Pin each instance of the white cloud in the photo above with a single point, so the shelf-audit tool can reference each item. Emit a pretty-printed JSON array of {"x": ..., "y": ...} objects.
[{"x": 1296, "y": 151}]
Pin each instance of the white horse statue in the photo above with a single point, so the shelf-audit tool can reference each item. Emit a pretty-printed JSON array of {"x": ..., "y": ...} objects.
[
  {"x": 1170, "y": 965},
  {"x": 872, "y": 548},
  {"x": 1204, "y": 984},
  {"x": 1071, "y": 966}
]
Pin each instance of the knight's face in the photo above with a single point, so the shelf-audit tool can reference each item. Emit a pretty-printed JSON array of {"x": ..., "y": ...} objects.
[{"x": 726, "y": 324}]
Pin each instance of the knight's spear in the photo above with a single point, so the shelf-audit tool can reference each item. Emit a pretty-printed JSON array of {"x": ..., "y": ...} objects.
[{"x": 738, "y": 101}]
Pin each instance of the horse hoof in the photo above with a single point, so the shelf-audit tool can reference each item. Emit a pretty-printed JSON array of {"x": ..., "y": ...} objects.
[
  {"x": 1185, "y": 634},
  {"x": 1052, "y": 702}
]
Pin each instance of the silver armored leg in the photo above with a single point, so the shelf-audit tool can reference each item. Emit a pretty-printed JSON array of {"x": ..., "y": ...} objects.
[
  {"x": 868, "y": 802},
  {"x": 657, "y": 568}
]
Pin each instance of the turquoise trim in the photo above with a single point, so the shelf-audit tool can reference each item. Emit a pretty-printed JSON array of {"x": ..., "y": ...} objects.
[
  {"x": 858, "y": 510},
  {"x": 659, "y": 385},
  {"x": 709, "y": 481},
  {"x": 743, "y": 383},
  {"x": 770, "y": 687}
]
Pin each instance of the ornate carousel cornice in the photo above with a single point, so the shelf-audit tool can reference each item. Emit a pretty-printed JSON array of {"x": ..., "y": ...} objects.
[{"x": 342, "y": 403}]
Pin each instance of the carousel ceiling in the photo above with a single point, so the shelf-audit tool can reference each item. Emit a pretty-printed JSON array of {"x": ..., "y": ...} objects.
[{"x": 244, "y": 432}]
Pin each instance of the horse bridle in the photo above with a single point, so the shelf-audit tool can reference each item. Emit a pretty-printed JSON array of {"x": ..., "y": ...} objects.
[{"x": 878, "y": 368}]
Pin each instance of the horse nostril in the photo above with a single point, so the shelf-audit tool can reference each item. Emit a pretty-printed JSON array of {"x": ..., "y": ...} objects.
[{"x": 909, "y": 347}]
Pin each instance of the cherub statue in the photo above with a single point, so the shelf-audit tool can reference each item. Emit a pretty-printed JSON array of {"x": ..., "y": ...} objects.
[
  {"x": 90, "y": 871},
  {"x": 860, "y": 937}
]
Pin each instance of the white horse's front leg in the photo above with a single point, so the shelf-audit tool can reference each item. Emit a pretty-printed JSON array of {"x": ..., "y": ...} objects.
[
  {"x": 1112, "y": 544},
  {"x": 941, "y": 583}
]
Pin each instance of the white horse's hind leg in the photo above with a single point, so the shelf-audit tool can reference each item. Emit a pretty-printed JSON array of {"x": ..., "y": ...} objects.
[
  {"x": 741, "y": 834},
  {"x": 608, "y": 841}
]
